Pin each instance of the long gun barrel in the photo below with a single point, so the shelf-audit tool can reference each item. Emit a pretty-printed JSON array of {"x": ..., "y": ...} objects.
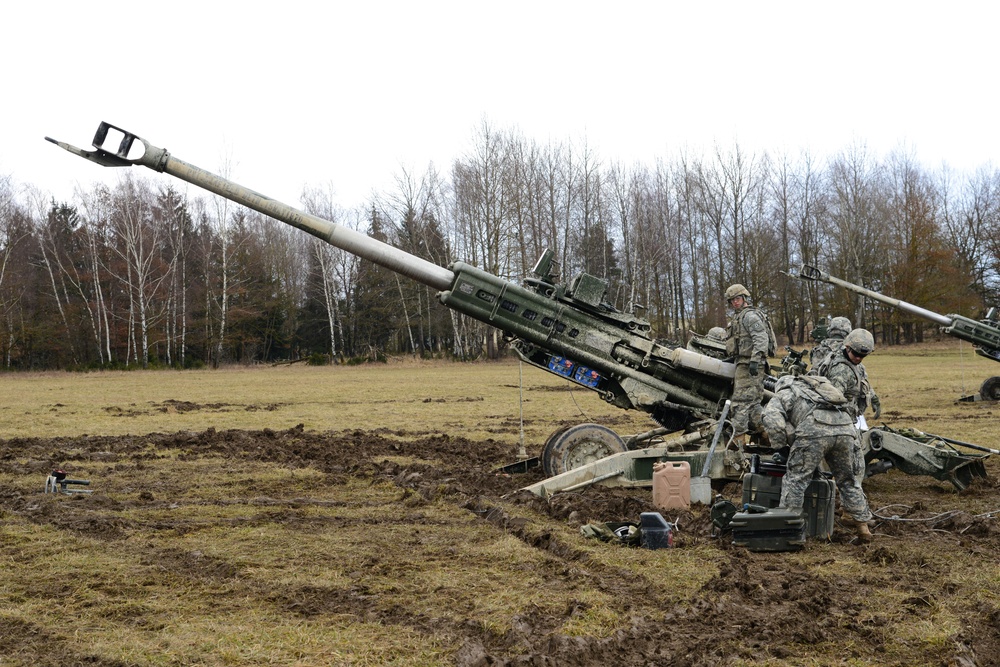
[
  {"x": 983, "y": 334},
  {"x": 353, "y": 242},
  {"x": 564, "y": 329}
]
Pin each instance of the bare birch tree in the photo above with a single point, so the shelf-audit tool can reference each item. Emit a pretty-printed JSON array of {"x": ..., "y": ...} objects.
[
  {"x": 321, "y": 204},
  {"x": 138, "y": 244}
]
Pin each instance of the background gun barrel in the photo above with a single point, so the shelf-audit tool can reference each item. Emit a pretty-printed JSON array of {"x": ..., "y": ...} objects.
[{"x": 808, "y": 272}]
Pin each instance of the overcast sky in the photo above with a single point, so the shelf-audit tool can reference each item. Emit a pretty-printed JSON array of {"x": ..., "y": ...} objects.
[{"x": 350, "y": 93}]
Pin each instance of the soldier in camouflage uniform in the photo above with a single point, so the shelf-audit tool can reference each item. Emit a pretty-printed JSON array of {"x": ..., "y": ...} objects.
[
  {"x": 717, "y": 333},
  {"x": 844, "y": 368},
  {"x": 831, "y": 349},
  {"x": 834, "y": 341},
  {"x": 746, "y": 343},
  {"x": 810, "y": 414},
  {"x": 712, "y": 344}
]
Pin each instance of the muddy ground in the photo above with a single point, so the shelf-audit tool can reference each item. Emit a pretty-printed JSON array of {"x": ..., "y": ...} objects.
[{"x": 817, "y": 607}]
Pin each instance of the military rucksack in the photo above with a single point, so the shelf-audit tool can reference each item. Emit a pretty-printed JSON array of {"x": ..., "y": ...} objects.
[
  {"x": 821, "y": 391},
  {"x": 772, "y": 340}
]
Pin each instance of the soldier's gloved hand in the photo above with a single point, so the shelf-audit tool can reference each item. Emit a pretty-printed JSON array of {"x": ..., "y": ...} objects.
[
  {"x": 754, "y": 368},
  {"x": 876, "y": 406}
]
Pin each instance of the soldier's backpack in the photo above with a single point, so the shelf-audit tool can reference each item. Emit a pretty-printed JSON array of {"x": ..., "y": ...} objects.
[
  {"x": 772, "y": 340},
  {"x": 820, "y": 390}
]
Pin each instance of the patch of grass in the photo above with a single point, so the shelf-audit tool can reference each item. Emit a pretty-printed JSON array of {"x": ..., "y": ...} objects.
[{"x": 477, "y": 401}]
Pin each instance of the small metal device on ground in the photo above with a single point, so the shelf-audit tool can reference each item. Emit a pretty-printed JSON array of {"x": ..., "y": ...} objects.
[{"x": 57, "y": 482}]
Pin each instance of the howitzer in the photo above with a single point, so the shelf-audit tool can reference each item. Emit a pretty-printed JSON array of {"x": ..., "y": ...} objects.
[
  {"x": 565, "y": 329},
  {"x": 984, "y": 334}
]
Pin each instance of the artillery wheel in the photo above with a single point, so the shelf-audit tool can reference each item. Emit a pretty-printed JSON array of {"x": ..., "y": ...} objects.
[
  {"x": 990, "y": 391},
  {"x": 573, "y": 446}
]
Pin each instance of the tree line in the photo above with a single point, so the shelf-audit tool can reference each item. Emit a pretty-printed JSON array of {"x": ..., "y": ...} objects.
[{"x": 145, "y": 273}]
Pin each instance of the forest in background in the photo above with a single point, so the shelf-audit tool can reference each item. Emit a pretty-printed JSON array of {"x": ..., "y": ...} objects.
[{"x": 146, "y": 273}]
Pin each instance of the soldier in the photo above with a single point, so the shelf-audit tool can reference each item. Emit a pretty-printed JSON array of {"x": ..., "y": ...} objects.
[
  {"x": 844, "y": 368},
  {"x": 748, "y": 339},
  {"x": 811, "y": 415},
  {"x": 839, "y": 327},
  {"x": 712, "y": 344}
]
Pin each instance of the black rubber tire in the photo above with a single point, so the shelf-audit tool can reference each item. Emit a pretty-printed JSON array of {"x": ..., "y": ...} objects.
[
  {"x": 990, "y": 391},
  {"x": 573, "y": 446}
]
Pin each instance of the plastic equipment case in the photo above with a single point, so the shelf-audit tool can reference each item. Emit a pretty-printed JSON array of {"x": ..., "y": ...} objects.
[
  {"x": 762, "y": 486},
  {"x": 771, "y": 530}
]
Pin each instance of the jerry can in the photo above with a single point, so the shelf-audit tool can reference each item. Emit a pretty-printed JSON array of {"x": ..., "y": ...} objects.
[{"x": 672, "y": 485}]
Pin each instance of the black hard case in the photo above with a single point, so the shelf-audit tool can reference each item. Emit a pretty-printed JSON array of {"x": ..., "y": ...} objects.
[
  {"x": 818, "y": 506},
  {"x": 773, "y": 530}
]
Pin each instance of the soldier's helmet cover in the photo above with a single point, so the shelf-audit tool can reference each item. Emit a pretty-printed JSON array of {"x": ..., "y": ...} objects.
[
  {"x": 839, "y": 326},
  {"x": 717, "y": 333},
  {"x": 861, "y": 341},
  {"x": 736, "y": 290}
]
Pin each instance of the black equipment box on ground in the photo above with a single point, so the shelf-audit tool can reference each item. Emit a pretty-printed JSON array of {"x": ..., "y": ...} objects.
[
  {"x": 773, "y": 530},
  {"x": 818, "y": 505}
]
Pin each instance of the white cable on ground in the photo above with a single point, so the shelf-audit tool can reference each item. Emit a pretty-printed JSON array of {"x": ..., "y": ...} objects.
[{"x": 936, "y": 518}]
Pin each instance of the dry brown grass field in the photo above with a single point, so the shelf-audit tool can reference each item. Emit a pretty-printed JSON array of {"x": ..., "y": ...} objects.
[{"x": 299, "y": 515}]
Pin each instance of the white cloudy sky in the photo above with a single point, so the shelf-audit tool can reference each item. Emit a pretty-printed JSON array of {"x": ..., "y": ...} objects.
[{"x": 349, "y": 93}]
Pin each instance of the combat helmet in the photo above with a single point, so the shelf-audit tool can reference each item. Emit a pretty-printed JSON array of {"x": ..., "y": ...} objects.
[
  {"x": 716, "y": 333},
  {"x": 860, "y": 341},
  {"x": 737, "y": 290},
  {"x": 839, "y": 327}
]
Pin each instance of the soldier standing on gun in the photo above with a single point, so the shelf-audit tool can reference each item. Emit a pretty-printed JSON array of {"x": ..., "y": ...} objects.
[
  {"x": 811, "y": 416},
  {"x": 747, "y": 342},
  {"x": 712, "y": 344}
]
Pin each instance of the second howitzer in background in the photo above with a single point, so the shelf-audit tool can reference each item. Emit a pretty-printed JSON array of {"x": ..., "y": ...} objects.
[{"x": 984, "y": 334}]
